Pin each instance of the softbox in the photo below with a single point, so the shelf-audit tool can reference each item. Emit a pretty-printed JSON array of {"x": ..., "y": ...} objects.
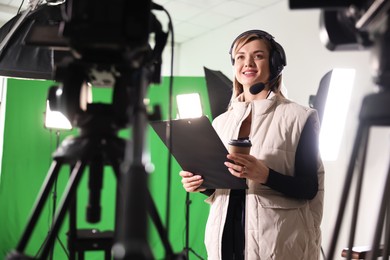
[
  {"x": 318, "y": 101},
  {"x": 219, "y": 88},
  {"x": 21, "y": 60}
]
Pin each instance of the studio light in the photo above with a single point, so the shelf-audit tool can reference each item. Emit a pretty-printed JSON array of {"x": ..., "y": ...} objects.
[
  {"x": 189, "y": 105},
  {"x": 56, "y": 120},
  {"x": 335, "y": 112},
  {"x": 219, "y": 89}
]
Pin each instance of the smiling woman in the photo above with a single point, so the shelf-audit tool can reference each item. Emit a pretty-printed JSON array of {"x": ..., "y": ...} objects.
[{"x": 283, "y": 169}]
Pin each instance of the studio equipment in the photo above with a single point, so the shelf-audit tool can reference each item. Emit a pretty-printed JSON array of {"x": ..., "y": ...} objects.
[
  {"x": 361, "y": 25},
  {"x": 219, "y": 88},
  {"x": 105, "y": 44}
]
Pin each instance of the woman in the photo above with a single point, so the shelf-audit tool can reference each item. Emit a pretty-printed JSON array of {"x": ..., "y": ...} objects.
[{"x": 279, "y": 215}]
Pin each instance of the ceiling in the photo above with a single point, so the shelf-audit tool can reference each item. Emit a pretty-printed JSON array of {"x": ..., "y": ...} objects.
[{"x": 191, "y": 18}]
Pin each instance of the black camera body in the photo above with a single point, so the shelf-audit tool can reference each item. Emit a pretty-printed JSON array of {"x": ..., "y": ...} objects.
[
  {"x": 356, "y": 25},
  {"x": 108, "y": 43}
]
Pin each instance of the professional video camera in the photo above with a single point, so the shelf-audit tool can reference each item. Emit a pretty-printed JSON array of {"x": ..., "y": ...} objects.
[
  {"x": 355, "y": 25},
  {"x": 110, "y": 46},
  {"x": 98, "y": 43},
  {"x": 103, "y": 41}
]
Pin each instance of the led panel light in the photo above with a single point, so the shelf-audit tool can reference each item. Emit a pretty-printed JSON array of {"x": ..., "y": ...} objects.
[
  {"x": 189, "y": 105},
  {"x": 56, "y": 120},
  {"x": 335, "y": 112}
]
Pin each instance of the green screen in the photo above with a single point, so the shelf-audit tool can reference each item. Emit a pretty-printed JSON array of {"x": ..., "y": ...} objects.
[{"x": 27, "y": 156}]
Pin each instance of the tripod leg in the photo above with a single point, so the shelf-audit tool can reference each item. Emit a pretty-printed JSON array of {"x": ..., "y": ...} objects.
[
  {"x": 362, "y": 131},
  {"x": 72, "y": 233},
  {"x": 360, "y": 162},
  {"x": 386, "y": 246},
  {"x": 160, "y": 228},
  {"x": 151, "y": 208},
  {"x": 43, "y": 194},
  {"x": 381, "y": 218},
  {"x": 63, "y": 206},
  {"x": 130, "y": 230}
]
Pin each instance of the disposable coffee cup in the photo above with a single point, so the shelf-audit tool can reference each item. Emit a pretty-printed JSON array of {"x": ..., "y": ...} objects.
[{"x": 240, "y": 146}]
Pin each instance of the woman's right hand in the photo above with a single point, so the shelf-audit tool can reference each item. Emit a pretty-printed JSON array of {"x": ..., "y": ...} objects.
[{"x": 191, "y": 182}]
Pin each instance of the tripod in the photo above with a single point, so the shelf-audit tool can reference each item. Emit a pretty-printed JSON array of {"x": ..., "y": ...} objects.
[
  {"x": 374, "y": 112},
  {"x": 96, "y": 146}
]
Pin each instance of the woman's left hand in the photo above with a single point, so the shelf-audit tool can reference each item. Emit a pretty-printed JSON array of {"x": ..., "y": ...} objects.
[{"x": 247, "y": 166}]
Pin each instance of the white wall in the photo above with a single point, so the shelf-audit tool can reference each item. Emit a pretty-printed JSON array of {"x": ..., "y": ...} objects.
[{"x": 307, "y": 61}]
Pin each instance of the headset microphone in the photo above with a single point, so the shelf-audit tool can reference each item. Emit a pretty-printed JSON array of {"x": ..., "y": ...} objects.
[{"x": 257, "y": 88}]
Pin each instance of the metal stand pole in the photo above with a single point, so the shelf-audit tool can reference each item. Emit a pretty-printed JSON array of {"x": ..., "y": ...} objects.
[{"x": 373, "y": 113}]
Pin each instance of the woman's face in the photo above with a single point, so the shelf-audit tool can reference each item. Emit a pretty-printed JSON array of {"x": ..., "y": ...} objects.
[{"x": 251, "y": 63}]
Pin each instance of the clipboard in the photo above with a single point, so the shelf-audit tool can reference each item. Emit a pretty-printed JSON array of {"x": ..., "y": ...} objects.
[{"x": 198, "y": 149}]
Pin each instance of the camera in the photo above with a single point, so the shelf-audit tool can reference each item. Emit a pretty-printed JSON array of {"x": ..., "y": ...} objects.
[{"x": 355, "y": 25}]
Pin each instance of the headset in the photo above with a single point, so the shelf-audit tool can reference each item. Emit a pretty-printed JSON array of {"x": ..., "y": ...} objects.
[{"x": 277, "y": 57}]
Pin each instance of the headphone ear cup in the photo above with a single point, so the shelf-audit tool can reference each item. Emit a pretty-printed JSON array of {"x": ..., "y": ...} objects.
[
  {"x": 275, "y": 64},
  {"x": 277, "y": 60}
]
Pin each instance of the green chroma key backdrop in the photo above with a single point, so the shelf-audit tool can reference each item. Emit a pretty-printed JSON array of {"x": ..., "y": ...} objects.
[{"x": 27, "y": 149}]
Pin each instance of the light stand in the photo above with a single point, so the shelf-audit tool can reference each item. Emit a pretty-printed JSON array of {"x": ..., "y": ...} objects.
[
  {"x": 187, "y": 248},
  {"x": 189, "y": 106},
  {"x": 54, "y": 192}
]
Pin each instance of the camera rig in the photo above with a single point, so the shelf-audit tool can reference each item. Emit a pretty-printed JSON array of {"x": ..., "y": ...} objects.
[
  {"x": 360, "y": 25},
  {"x": 101, "y": 43}
]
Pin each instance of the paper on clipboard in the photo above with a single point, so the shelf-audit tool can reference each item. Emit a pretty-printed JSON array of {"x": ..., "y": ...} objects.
[{"x": 198, "y": 149}]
